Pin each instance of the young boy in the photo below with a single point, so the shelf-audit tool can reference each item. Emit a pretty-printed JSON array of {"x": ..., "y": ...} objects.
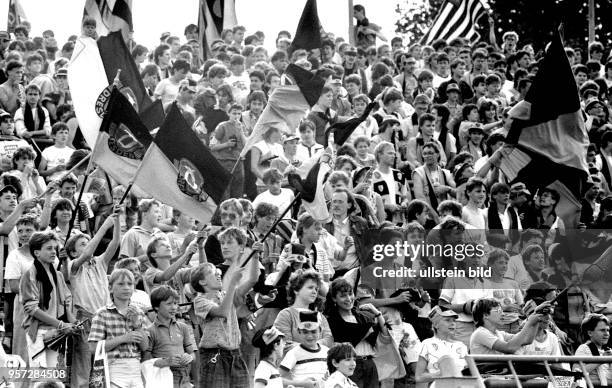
[
  {"x": 364, "y": 157},
  {"x": 226, "y": 144},
  {"x": 221, "y": 364},
  {"x": 322, "y": 115},
  {"x": 367, "y": 128},
  {"x": 275, "y": 194},
  {"x": 306, "y": 363},
  {"x": 169, "y": 340},
  {"x": 307, "y": 147},
  {"x": 480, "y": 89},
  {"x": 32, "y": 119},
  {"x": 8, "y": 141},
  {"x": 160, "y": 255},
  {"x": 54, "y": 158},
  {"x": 239, "y": 80},
  {"x": 341, "y": 364},
  {"x": 493, "y": 84},
  {"x": 23, "y": 167}
]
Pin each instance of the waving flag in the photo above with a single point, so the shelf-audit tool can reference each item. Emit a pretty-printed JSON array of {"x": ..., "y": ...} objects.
[
  {"x": 550, "y": 138},
  {"x": 456, "y": 19},
  {"x": 308, "y": 180},
  {"x": 214, "y": 17},
  {"x": 180, "y": 171},
  {"x": 344, "y": 130},
  {"x": 287, "y": 105},
  {"x": 110, "y": 15},
  {"x": 93, "y": 67},
  {"x": 308, "y": 32},
  {"x": 123, "y": 140}
]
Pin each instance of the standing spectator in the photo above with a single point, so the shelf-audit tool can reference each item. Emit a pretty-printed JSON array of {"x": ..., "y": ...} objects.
[
  {"x": 32, "y": 119},
  {"x": 168, "y": 88},
  {"x": 227, "y": 144},
  {"x": 45, "y": 298},
  {"x": 12, "y": 93},
  {"x": 596, "y": 327},
  {"x": 390, "y": 183},
  {"x": 54, "y": 158},
  {"x": 120, "y": 325}
]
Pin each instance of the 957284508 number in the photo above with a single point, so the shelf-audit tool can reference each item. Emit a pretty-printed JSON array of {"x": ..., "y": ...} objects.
[{"x": 34, "y": 374}]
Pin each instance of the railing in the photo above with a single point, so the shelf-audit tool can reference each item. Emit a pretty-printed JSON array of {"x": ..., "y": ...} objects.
[{"x": 546, "y": 360}]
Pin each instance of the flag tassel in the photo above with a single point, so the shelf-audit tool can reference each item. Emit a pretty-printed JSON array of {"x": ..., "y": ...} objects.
[{"x": 278, "y": 220}]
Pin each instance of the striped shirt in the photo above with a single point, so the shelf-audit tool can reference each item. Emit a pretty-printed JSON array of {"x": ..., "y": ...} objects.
[
  {"x": 303, "y": 362},
  {"x": 109, "y": 323}
]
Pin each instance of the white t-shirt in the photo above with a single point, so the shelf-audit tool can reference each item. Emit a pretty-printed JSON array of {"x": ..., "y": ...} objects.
[
  {"x": 56, "y": 156},
  {"x": 476, "y": 218},
  {"x": 434, "y": 348},
  {"x": 338, "y": 380},
  {"x": 17, "y": 264},
  {"x": 549, "y": 347},
  {"x": 600, "y": 375},
  {"x": 482, "y": 340},
  {"x": 462, "y": 290},
  {"x": 240, "y": 85},
  {"x": 167, "y": 91},
  {"x": 281, "y": 200},
  {"x": 304, "y": 363}
]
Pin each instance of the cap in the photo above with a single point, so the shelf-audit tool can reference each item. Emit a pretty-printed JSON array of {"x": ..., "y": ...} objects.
[
  {"x": 266, "y": 336},
  {"x": 209, "y": 92},
  {"x": 476, "y": 128},
  {"x": 62, "y": 72},
  {"x": 4, "y": 114},
  {"x": 520, "y": 188},
  {"x": 421, "y": 99},
  {"x": 438, "y": 312},
  {"x": 453, "y": 88},
  {"x": 350, "y": 50},
  {"x": 290, "y": 138},
  {"x": 591, "y": 102},
  {"x": 164, "y": 36},
  {"x": 336, "y": 81},
  {"x": 309, "y": 320}
]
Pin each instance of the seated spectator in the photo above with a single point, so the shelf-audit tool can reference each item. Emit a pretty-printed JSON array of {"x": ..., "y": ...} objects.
[{"x": 596, "y": 329}]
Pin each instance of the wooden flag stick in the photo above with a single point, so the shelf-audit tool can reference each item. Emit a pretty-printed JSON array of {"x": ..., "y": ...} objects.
[{"x": 278, "y": 220}]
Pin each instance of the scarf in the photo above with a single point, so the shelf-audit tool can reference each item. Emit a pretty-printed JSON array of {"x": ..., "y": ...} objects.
[
  {"x": 28, "y": 118},
  {"x": 433, "y": 198},
  {"x": 43, "y": 278}
]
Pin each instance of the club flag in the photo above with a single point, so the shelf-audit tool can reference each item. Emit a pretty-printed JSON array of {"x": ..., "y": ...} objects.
[
  {"x": 456, "y": 19},
  {"x": 181, "y": 172},
  {"x": 344, "y": 130},
  {"x": 214, "y": 16},
  {"x": 308, "y": 32},
  {"x": 92, "y": 69},
  {"x": 550, "y": 140},
  {"x": 309, "y": 179},
  {"x": 110, "y": 15},
  {"x": 153, "y": 116},
  {"x": 287, "y": 105},
  {"x": 15, "y": 15},
  {"x": 123, "y": 140},
  {"x": 115, "y": 55}
]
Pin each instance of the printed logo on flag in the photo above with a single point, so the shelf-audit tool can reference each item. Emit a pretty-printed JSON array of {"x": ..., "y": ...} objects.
[
  {"x": 104, "y": 98},
  {"x": 123, "y": 143},
  {"x": 190, "y": 180}
]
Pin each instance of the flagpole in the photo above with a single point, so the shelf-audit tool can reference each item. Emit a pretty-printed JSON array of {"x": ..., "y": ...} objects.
[
  {"x": 591, "y": 18},
  {"x": 68, "y": 173},
  {"x": 78, "y": 203},
  {"x": 351, "y": 25},
  {"x": 278, "y": 220}
]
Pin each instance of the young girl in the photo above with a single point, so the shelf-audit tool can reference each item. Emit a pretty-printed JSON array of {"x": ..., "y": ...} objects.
[
  {"x": 46, "y": 299},
  {"x": 474, "y": 212},
  {"x": 120, "y": 325},
  {"x": 59, "y": 219},
  {"x": 341, "y": 364},
  {"x": 271, "y": 343},
  {"x": 475, "y": 145}
]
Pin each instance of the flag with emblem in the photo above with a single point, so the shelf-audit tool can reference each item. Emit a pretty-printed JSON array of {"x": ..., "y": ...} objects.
[
  {"x": 123, "y": 140},
  {"x": 15, "y": 15},
  {"x": 92, "y": 72},
  {"x": 550, "y": 138},
  {"x": 180, "y": 171},
  {"x": 287, "y": 105},
  {"x": 309, "y": 179},
  {"x": 110, "y": 15}
]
